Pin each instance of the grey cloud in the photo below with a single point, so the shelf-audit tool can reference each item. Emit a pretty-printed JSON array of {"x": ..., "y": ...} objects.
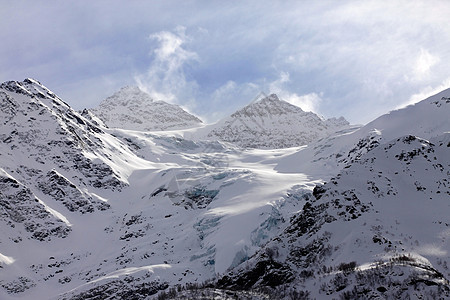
[{"x": 354, "y": 54}]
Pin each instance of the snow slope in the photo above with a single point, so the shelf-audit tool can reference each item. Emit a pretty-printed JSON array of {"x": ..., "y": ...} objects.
[
  {"x": 131, "y": 108},
  {"x": 426, "y": 119},
  {"x": 379, "y": 229}
]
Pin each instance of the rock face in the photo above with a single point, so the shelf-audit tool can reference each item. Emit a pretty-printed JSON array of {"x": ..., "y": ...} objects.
[
  {"x": 131, "y": 108},
  {"x": 273, "y": 123},
  {"x": 47, "y": 149},
  {"x": 56, "y": 167},
  {"x": 43, "y": 133},
  {"x": 24, "y": 215}
]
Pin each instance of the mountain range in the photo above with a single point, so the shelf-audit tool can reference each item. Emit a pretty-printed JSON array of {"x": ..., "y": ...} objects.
[
  {"x": 269, "y": 203},
  {"x": 268, "y": 123}
]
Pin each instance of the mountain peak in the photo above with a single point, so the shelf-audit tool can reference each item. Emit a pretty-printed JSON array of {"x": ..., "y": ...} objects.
[
  {"x": 271, "y": 97},
  {"x": 128, "y": 95},
  {"x": 274, "y": 123},
  {"x": 32, "y": 81},
  {"x": 25, "y": 84},
  {"x": 133, "y": 109},
  {"x": 34, "y": 89},
  {"x": 131, "y": 89},
  {"x": 268, "y": 106}
]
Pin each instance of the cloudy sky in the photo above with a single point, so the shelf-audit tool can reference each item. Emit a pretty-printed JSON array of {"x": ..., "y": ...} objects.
[{"x": 358, "y": 59}]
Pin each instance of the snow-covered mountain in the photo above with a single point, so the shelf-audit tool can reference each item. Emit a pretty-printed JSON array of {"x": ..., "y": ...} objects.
[
  {"x": 57, "y": 169},
  {"x": 90, "y": 212},
  {"x": 271, "y": 123},
  {"x": 131, "y": 108},
  {"x": 379, "y": 229},
  {"x": 116, "y": 212}
]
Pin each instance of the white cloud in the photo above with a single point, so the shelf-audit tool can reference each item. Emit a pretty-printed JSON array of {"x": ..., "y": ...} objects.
[
  {"x": 425, "y": 93},
  {"x": 308, "y": 102},
  {"x": 229, "y": 97},
  {"x": 223, "y": 91},
  {"x": 165, "y": 78},
  {"x": 424, "y": 62}
]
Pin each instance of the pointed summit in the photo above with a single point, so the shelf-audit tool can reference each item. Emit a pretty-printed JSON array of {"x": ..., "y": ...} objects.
[
  {"x": 129, "y": 95},
  {"x": 263, "y": 97},
  {"x": 272, "y": 97},
  {"x": 270, "y": 122},
  {"x": 131, "y": 108},
  {"x": 268, "y": 106},
  {"x": 34, "y": 89}
]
